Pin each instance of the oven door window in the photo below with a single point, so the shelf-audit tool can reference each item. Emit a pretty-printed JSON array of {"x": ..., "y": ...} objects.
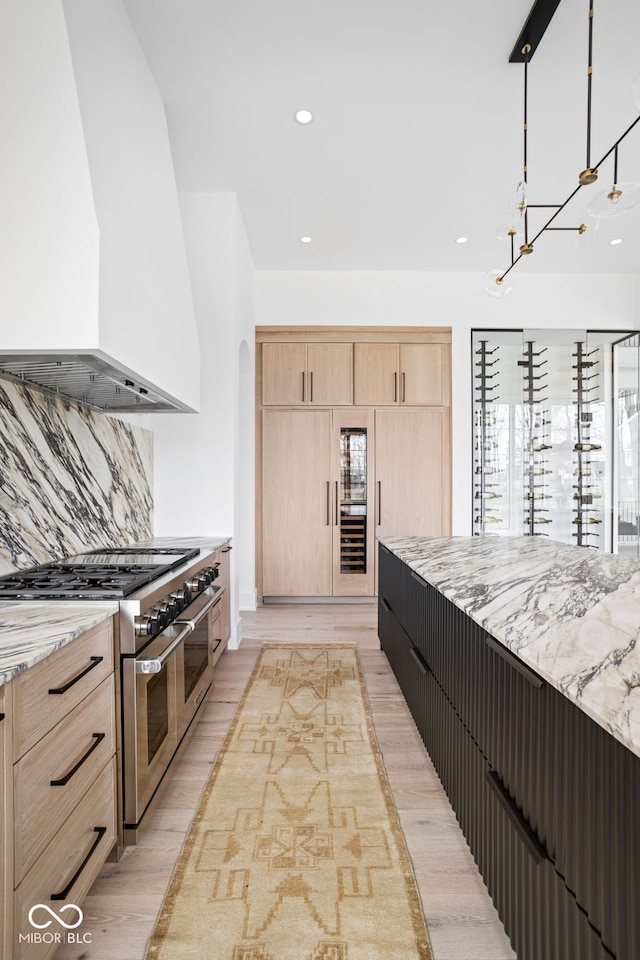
[
  {"x": 158, "y": 712},
  {"x": 196, "y": 656}
]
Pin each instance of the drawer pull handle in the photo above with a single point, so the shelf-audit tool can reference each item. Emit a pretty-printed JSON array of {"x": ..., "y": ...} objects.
[
  {"x": 422, "y": 666},
  {"x": 517, "y": 665},
  {"x": 385, "y": 604},
  {"x": 416, "y": 576},
  {"x": 65, "y": 893},
  {"x": 533, "y": 846},
  {"x": 94, "y": 663},
  {"x": 1, "y": 716},
  {"x": 97, "y": 739}
]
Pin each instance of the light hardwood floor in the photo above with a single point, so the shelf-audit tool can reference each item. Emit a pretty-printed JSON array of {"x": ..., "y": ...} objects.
[{"x": 462, "y": 922}]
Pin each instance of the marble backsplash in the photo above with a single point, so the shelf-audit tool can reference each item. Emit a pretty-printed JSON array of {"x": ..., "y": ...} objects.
[{"x": 71, "y": 479}]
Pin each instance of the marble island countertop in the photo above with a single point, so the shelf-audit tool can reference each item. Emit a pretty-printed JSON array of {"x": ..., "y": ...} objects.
[
  {"x": 571, "y": 614},
  {"x": 32, "y": 630}
]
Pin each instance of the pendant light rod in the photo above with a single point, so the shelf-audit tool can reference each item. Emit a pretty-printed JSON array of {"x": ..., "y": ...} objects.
[
  {"x": 589, "y": 84},
  {"x": 526, "y": 51}
]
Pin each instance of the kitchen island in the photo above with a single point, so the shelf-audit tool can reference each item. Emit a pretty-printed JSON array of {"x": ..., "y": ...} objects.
[{"x": 518, "y": 659}]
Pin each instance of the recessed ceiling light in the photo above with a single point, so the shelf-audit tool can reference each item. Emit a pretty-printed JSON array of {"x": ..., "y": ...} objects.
[
  {"x": 305, "y": 239},
  {"x": 614, "y": 243},
  {"x": 462, "y": 239},
  {"x": 303, "y": 115}
]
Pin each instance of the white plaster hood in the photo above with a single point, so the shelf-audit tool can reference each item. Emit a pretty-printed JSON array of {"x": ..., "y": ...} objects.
[{"x": 93, "y": 268}]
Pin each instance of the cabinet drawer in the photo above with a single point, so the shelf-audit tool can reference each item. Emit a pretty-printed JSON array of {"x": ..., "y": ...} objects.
[
  {"x": 46, "y": 692},
  {"x": 65, "y": 871},
  {"x": 54, "y": 775}
]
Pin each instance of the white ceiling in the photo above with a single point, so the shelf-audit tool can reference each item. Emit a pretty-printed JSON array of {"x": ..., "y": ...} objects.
[{"x": 417, "y": 136}]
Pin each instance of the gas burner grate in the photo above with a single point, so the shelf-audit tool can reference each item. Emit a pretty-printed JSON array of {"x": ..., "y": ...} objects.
[{"x": 78, "y": 581}]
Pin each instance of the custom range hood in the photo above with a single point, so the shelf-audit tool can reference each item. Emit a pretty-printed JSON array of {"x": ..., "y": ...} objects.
[
  {"x": 85, "y": 380},
  {"x": 95, "y": 298}
]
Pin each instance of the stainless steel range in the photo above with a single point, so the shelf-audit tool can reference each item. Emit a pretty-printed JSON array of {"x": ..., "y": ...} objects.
[{"x": 170, "y": 633}]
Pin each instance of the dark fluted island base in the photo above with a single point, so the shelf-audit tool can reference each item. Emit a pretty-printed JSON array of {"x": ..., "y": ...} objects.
[{"x": 547, "y": 798}]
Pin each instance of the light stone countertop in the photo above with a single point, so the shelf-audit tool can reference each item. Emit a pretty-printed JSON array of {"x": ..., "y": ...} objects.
[
  {"x": 569, "y": 613},
  {"x": 31, "y": 630}
]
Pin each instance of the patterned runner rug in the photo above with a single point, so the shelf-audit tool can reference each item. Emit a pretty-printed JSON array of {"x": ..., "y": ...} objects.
[{"x": 295, "y": 851}]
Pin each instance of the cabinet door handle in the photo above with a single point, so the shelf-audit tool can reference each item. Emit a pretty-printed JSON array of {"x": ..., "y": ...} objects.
[
  {"x": 385, "y": 604},
  {"x": 395, "y": 387},
  {"x": 416, "y": 576},
  {"x": 379, "y": 502},
  {"x": 531, "y": 842},
  {"x": 79, "y": 676},
  {"x": 303, "y": 386},
  {"x": 336, "y": 520},
  {"x": 328, "y": 503},
  {"x": 226, "y": 549},
  {"x": 64, "y": 893},
  {"x": 404, "y": 386},
  {"x": 1, "y": 716},
  {"x": 422, "y": 666},
  {"x": 513, "y": 662},
  {"x": 97, "y": 740},
  {"x": 311, "y": 387}
]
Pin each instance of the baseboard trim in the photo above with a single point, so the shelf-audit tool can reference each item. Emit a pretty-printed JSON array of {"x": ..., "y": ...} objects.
[{"x": 269, "y": 600}]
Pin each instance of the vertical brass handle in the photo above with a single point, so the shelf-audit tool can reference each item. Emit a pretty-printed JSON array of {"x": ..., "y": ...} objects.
[
  {"x": 311, "y": 387},
  {"x": 395, "y": 387},
  {"x": 328, "y": 503},
  {"x": 404, "y": 386},
  {"x": 336, "y": 520},
  {"x": 303, "y": 386},
  {"x": 379, "y": 502}
]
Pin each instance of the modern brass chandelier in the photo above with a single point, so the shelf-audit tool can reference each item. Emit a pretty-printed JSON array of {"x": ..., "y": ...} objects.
[{"x": 618, "y": 199}]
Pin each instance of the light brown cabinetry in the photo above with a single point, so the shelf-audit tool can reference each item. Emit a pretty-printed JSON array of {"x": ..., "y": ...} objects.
[
  {"x": 412, "y": 469},
  {"x": 64, "y": 779},
  {"x": 301, "y": 374},
  {"x": 297, "y": 502},
  {"x": 376, "y": 459},
  {"x": 222, "y": 557},
  {"x": 411, "y": 374},
  {"x": 318, "y": 527}
]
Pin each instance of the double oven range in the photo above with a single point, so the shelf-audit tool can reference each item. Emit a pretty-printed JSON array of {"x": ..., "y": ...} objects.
[{"x": 170, "y": 632}]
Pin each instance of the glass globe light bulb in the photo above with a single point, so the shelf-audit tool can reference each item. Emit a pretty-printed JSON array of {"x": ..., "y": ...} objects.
[
  {"x": 496, "y": 285},
  {"x": 621, "y": 198}
]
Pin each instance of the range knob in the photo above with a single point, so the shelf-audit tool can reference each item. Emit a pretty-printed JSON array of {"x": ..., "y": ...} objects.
[
  {"x": 216, "y": 571},
  {"x": 147, "y": 626},
  {"x": 179, "y": 598},
  {"x": 164, "y": 614},
  {"x": 197, "y": 583}
]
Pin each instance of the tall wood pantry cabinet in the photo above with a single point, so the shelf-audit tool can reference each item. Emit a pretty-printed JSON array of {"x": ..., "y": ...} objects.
[{"x": 353, "y": 441}]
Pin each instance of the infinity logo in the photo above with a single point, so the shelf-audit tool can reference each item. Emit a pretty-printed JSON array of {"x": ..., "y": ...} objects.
[{"x": 52, "y": 913}]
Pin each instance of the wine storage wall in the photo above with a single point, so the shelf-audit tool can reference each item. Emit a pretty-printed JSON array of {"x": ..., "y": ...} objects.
[{"x": 542, "y": 435}]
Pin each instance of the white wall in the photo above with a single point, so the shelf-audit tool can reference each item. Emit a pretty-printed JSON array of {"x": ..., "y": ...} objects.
[
  {"x": 451, "y": 300},
  {"x": 92, "y": 256},
  {"x": 204, "y": 462},
  {"x": 49, "y": 239}
]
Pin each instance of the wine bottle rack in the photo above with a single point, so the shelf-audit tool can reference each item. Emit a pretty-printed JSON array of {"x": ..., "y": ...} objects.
[
  {"x": 586, "y": 495},
  {"x": 486, "y": 464},
  {"x": 536, "y": 440}
]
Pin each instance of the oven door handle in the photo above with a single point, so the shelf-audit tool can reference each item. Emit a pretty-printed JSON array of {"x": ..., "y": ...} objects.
[
  {"x": 192, "y": 622},
  {"x": 155, "y": 664}
]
